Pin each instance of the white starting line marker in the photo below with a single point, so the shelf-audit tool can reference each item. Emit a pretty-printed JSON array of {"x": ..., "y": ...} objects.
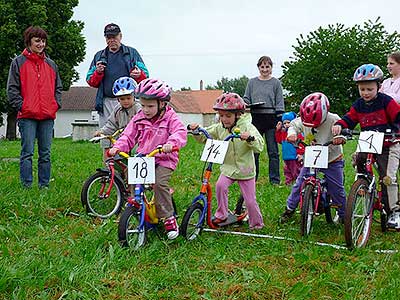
[{"x": 282, "y": 238}]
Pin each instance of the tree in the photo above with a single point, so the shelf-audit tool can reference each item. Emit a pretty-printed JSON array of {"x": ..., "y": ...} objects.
[
  {"x": 235, "y": 85},
  {"x": 66, "y": 44},
  {"x": 326, "y": 59}
]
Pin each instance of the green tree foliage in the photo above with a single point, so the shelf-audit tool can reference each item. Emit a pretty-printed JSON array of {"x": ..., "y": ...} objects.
[
  {"x": 66, "y": 44},
  {"x": 235, "y": 85},
  {"x": 326, "y": 59}
]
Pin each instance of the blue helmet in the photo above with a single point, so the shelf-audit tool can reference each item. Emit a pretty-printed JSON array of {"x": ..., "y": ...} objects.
[
  {"x": 288, "y": 116},
  {"x": 124, "y": 86},
  {"x": 368, "y": 72}
]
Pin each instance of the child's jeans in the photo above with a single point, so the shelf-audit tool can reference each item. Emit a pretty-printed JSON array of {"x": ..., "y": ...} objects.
[
  {"x": 162, "y": 193},
  {"x": 391, "y": 172},
  {"x": 248, "y": 189},
  {"x": 334, "y": 178},
  {"x": 291, "y": 170}
]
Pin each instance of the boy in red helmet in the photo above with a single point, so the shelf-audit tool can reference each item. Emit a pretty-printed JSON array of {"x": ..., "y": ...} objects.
[
  {"x": 316, "y": 122},
  {"x": 239, "y": 162}
]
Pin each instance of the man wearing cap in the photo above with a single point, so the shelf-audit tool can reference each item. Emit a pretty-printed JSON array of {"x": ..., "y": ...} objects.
[{"x": 109, "y": 64}]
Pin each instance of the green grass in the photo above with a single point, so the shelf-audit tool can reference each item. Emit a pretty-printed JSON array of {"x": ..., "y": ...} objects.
[{"x": 48, "y": 253}]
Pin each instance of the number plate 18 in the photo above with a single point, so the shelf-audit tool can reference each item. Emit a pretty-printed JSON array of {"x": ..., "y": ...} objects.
[{"x": 141, "y": 170}]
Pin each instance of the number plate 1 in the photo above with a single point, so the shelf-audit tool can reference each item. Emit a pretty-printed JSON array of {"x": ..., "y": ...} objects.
[
  {"x": 141, "y": 170},
  {"x": 370, "y": 142},
  {"x": 316, "y": 157},
  {"x": 214, "y": 151}
]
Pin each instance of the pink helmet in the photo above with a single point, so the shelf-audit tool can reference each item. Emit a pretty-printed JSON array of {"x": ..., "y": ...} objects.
[
  {"x": 314, "y": 109},
  {"x": 230, "y": 102},
  {"x": 153, "y": 89}
]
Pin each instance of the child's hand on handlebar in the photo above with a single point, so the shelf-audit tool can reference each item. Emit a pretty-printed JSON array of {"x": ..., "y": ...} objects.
[
  {"x": 113, "y": 151},
  {"x": 339, "y": 140},
  {"x": 193, "y": 126},
  {"x": 97, "y": 133},
  {"x": 336, "y": 129},
  {"x": 167, "y": 148},
  {"x": 291, "y": 138},
  {"x": 244, "y": 136}
]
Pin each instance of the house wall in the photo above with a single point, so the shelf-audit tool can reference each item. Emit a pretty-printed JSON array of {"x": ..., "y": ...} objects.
[
  {"x": 191, "y": 118},
  {"x": 62, "y": 125}
]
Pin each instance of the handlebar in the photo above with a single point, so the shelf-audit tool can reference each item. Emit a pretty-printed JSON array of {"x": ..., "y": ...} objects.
[
  {"x": 159, "y": 149},
  {"x": 235, "y": 133},
  {"x": 389, "y": 136},
  {"x": 109, "y": 137}
]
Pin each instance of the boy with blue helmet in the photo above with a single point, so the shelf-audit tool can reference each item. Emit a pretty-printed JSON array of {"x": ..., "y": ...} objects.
[
  {"x": 127, "y": 107},
  {"x": 291, "y": 156}
]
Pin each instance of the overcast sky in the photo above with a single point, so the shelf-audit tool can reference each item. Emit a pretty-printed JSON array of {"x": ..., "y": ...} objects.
[{"x": 184, "y": 41}]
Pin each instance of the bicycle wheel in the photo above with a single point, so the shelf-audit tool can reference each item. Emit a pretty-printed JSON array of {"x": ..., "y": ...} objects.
[
  {"x": 191, "y": 226},
  {"x": 358, "y": 214},
  {"x": 307, "y": 210},
  {"x": 129, "y": 234},
  {"x": 94, "y": 199}
]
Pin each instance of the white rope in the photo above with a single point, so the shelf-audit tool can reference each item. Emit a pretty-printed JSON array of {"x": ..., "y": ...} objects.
[{"x": 274, "y": 237}]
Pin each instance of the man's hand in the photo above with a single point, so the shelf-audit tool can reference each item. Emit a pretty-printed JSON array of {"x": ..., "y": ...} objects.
[
  {"x": 100, "y": 67},
  {"x": 135, "y": 73}
]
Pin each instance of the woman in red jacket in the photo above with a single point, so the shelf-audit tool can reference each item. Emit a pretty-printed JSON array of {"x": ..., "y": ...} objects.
[{"x": 34, "y": 90}]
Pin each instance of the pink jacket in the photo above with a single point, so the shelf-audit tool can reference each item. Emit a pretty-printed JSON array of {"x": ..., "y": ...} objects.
[{"x": 147, "y": 135}]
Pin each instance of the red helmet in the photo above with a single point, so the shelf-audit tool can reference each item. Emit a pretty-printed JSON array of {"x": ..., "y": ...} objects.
[
  {"x": 230, "y": 102},
  {"x": 314, "y": 109}
]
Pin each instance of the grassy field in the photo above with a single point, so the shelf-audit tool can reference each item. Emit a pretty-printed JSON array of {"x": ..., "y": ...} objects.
[{"x": 48, "y": 252}]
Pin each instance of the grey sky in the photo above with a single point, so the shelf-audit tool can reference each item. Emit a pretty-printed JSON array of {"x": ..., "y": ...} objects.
[{"x": 183, "y": 42}]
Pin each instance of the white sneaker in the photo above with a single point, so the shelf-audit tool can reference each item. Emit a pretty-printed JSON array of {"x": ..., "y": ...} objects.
[{"x": 394, "y": 220}]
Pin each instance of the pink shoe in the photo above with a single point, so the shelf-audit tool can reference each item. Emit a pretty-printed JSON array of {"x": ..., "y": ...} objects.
[{"x": 171, "y": 227}]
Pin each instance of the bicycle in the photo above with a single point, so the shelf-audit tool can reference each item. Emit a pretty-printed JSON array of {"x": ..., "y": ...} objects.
[
  {"x": 364, "y": 198},
  {"x": 314, "y": 197},
  {"x": 140, "y": 215},
  {"x": 104, "y": 193},
  {"x": 200, "y": 210}
]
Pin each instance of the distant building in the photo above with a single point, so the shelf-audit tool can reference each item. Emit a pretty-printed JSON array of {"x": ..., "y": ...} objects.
[{"x": 78, "y": 104}]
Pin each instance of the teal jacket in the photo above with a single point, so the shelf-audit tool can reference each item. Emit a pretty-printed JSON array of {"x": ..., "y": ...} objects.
[{"x": 239, "y": 159}]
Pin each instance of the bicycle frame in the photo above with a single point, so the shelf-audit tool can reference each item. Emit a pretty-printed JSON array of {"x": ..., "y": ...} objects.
[
  {"x": 313, "y": 179},
  {"x": 139, "y": 199}
]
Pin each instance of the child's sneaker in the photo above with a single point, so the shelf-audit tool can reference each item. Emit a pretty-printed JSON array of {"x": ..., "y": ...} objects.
[
  {"x": 394, "y": 220},
  {"x": 287, "y": 214},
  {"x": 171, "y": 227}
]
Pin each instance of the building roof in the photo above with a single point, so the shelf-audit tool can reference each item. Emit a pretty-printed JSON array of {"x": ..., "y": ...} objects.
[
  {"x": 78, "y": 98},
  {"x": 197, "y": 102}
]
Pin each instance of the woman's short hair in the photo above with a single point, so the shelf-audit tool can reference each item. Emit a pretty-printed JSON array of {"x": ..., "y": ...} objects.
[
  {"x": 395, "y": 56},
  {"x": 34, "y": 31},
  {"x": 265, "y": 59}
]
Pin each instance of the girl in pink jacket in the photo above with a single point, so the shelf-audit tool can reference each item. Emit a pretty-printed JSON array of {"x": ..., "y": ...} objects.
[{"x": 156, "y": 124}]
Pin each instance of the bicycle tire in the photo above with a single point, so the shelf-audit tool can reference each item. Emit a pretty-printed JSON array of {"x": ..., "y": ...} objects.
[
  {"x": 129, "y": 234},
  {"x": 307, "y": 210},
  {"x": 96, "y": 205},
  {"x": 358, "y": 214},
  {"x": 191, "y": 227}
]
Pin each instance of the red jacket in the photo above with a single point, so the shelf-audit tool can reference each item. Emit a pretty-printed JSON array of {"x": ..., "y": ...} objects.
[{"x": 34, "y": 86}]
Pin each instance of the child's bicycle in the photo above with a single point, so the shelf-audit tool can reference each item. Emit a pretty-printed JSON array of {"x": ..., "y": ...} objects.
[
  {"x": 104, "y": 193},
  {"x": 140, "y": 215},
  {"x": 200, "y": 210},
  {"x": 314, "y": 198},
  {"x": 364, "y": 198}
]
